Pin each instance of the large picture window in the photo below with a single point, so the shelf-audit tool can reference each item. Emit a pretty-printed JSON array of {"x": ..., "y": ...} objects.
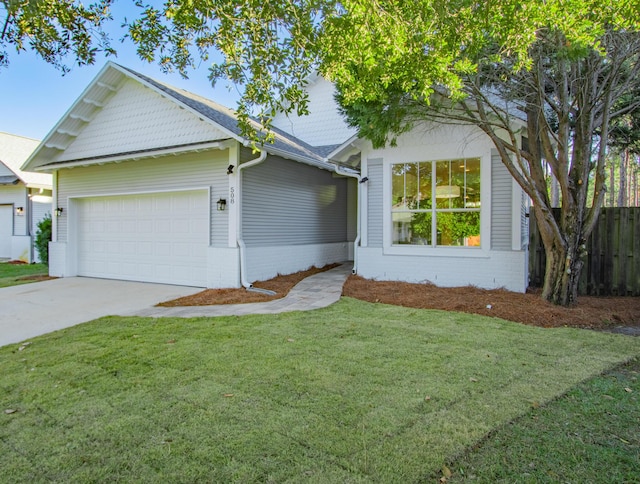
[{"x": 436, "y": 203}]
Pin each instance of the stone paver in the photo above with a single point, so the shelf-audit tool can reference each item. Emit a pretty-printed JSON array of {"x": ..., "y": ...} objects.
[{"x": 314, "y": 292}]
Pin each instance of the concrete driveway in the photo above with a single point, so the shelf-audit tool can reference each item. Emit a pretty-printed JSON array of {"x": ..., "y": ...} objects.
[{"x": 41, "y": 307}]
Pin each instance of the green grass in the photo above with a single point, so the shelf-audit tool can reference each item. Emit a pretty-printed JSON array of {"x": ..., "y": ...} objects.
[
  {"x": 591, "y": 434},
  {"x": 13, "y": 274},
  {"x": 356, "y": 392}
]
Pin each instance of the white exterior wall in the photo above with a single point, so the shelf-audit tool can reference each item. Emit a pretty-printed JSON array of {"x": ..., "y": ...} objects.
[
  {"x": 498, "y": 269},
  {"x": 444, "y": 266},
  {"x": 16, "y": 196},
  {"x": 324, "y": 125},
  {"x": 205, "y": 170},
  {"x": 137, "y": 118},
  {"x": 291, "y": 258}
]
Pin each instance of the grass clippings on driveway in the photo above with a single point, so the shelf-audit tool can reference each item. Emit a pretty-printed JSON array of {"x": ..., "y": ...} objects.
[
  {"x": 356, "y": 392},
  {"x": 13, "y": 274}
]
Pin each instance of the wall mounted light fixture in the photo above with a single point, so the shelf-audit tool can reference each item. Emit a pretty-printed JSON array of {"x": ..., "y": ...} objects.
[
  {"x": 59, "y": 211},
  {"x": 19, "y": 211},
  {"x": 221, "y": 204}
]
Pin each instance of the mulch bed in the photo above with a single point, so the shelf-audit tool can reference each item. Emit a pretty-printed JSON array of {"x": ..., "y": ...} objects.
[
  {"x": 281, "y": 285},
  {"x": 590, "y": 312},
  {"x": 36, "y": 278},
  {"x": 604, "y": 313}
]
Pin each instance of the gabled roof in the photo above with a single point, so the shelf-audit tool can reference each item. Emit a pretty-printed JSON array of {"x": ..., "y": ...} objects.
[
  {"x": 107, "y": 83},
  {"x": 14, "y": 150}
]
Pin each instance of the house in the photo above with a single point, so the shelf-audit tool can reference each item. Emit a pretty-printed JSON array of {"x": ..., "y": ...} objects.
[
  {"x": 152, "y": 183},
  {"x": 25, "y": 199},
  {"x": 438, "y": 207}
]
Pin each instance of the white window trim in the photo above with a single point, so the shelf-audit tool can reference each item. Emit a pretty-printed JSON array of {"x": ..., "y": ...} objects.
[{"x": 441, "y": 251}]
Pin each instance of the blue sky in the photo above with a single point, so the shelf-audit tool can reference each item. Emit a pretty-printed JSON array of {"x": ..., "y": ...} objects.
[{"x": 35, "y": 95}]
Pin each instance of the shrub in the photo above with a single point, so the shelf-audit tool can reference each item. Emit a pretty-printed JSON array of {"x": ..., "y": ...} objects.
[{"x": 43, "y": 237}]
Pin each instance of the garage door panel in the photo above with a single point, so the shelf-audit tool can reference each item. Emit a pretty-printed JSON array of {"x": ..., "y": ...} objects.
[{"x": 159, "y": 237}]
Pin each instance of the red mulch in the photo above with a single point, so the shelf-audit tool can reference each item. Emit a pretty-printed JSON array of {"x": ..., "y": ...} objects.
[
  {"x": 590, "y": 312},
  {"x": 281, "y": 285},
  {"x": 37, "y": 278}
]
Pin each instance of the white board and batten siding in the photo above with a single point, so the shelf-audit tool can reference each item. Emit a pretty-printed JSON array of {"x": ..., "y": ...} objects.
[
  {"x": 495, "y": 264},
  {"x": 156, "y": 225},
  {"x": 294, "y": 216}
]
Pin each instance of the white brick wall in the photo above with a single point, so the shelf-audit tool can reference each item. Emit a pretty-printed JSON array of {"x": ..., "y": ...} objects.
[
  {"x": 500, "y": 269},
  {"x": 267, "y": 262}
]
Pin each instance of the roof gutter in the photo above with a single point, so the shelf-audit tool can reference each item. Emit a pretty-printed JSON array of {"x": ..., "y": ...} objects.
[
  {"x": 340, "y": 170},
  {"x": 243, "y": 256}
]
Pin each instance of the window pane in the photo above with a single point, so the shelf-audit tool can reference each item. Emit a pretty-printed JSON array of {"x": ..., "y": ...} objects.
[
  {"x": 424, "y": 176},
  {"x": 458, "y": 228},
  {"x": 445, "y": 191},
  {"x": 397, "y": 185},
  {"x": 456, "y": 183},
  {"x": 454, "y": 206},
  {"x": 411, "y": 228},
  {"x": 472, "y": 194}
]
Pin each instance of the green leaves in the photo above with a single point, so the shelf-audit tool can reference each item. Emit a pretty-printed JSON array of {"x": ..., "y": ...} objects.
[{"x": 55, "y": 29}]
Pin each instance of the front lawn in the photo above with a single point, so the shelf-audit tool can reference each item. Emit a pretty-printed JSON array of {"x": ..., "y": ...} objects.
[
  {"x": 591, "y": 434},
  {"x": 356, "y": 392},
  {"x": 14, "y": 274}
]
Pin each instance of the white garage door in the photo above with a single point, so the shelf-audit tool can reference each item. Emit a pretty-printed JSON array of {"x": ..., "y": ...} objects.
[{"x": 159, "y": 237}]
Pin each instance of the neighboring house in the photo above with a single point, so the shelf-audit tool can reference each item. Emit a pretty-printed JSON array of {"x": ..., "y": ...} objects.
[
  {"x": 25, "y": 198},
  {"x": 152, "y": 183}
]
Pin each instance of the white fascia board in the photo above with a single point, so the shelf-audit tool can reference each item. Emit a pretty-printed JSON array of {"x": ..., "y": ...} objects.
[
  {"x": 30, "y": 164},
  {"x": 156, "y": 153},
  {"x": 345, "y": 147}
]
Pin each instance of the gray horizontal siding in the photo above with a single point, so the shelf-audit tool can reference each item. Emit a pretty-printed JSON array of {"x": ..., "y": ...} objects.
[
  {"x": 182, "y": 172},
  {"x": 289, "y": 203},
  {"x": 375, "y": 209},
  {"x": 501, "y": 187}
]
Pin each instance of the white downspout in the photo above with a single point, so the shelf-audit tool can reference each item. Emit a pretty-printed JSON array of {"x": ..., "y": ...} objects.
[
  {"x": 241, "y": 244},
  {"x": 356, "y": 242}
]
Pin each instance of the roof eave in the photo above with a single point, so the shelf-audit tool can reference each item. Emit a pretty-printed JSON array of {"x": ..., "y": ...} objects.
[
  {"x": 318, "y": 163},
  {"x": 153, "y": 153}
]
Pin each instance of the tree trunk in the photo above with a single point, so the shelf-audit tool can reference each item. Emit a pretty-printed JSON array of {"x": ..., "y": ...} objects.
[
  {"x": 612, "y": 184},
  {"x": 622, "y": 193},
  {"x": 564, "y": 261}
]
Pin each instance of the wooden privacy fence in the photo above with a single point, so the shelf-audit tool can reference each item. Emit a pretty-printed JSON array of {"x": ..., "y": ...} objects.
[{"x": 612, "y": 264}]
